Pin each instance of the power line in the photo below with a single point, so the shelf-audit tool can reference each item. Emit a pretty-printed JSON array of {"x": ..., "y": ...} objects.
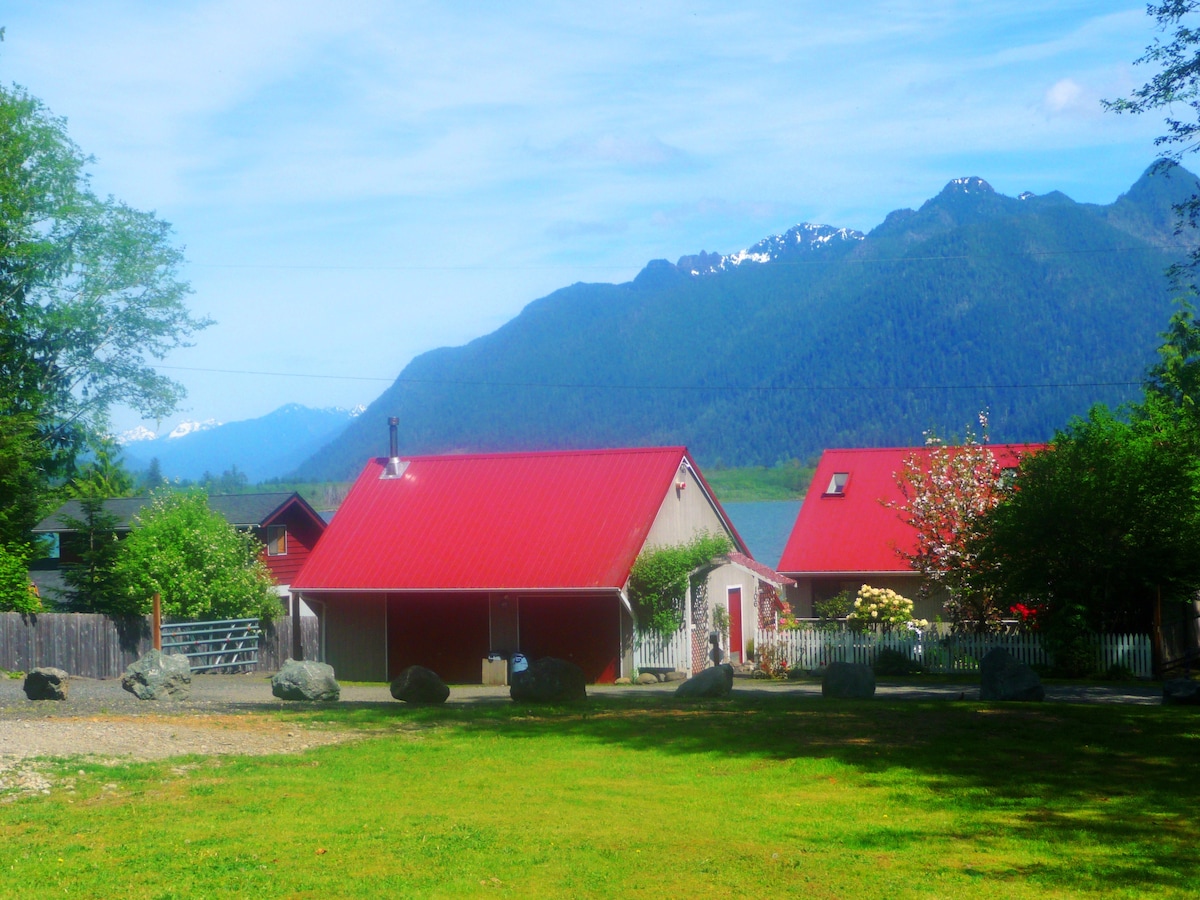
[
  {"x": 848, "y": 260},
  {"x": 671, "y": 387}
]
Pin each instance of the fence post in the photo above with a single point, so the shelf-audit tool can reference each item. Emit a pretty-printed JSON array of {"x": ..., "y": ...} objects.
[{"x": 157, "y": 622}]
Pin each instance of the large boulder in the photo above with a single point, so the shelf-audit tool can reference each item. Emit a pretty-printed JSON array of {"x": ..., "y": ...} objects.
[
  {"x": 1181, "y": 692},
  {"x": 848, "y": 681},
  {"x": 1003, "y": 677},
  {"x": 159, "y": 676},
  {"x": 549, "y": 680},
  {"x": 420, "y": 687},
  {"x": 46, "y": 684},
  {"x": 305, "y": 680},
  {"x": 709, "y": 684}
]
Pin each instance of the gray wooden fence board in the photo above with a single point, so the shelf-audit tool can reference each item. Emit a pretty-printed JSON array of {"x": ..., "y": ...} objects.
[{"x": 93, "y": 646}]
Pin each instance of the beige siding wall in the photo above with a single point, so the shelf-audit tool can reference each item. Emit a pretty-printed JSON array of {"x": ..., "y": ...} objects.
[
  {"x": 719, "y": 581},
  {"x": 355, "y": 630},
  {"x": 684, "y": 514}
]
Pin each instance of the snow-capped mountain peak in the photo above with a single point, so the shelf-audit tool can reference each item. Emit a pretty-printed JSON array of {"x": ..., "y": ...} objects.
[
  {"x": 805, "y": 237},
  {"x": 185, "y": 427},
  {"x": 135, "y": 434}
]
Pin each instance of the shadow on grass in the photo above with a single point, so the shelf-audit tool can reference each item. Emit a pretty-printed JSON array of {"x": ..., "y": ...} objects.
[{"x": 1123, "y": 777}]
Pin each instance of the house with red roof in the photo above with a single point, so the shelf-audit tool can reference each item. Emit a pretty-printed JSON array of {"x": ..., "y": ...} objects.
[
  {"x": 443, "y": 561},
  {"x": 848, "y": 533},
  {"x": 283, "y": 522}
]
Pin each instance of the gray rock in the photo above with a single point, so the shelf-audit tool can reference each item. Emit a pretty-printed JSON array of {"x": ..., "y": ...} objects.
[
  {"x": 1181, "y": 692},
  {"x": 158, "y": 676},
  {"x": 710, "y": 684},
  {"x": 46, "y": 683},
  {"x": 305, "y": 680},
  {"x": 1003, "y": 677},
  {"x": 848, "y": 681},
  {"x": 647, "y": 678},
  {"x": 420, "y": 687},
  {"x": 549, "y": 680}
]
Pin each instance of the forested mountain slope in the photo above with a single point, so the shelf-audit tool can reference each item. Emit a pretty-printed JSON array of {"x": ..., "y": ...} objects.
[{"x": 1032, "y": 307}]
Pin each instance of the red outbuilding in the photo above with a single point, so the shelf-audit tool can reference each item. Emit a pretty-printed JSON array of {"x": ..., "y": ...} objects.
[
  {"x": 284, "y": 523},
  {"x": 445, "y": 561},
  {"x": 848, "y": 533}
]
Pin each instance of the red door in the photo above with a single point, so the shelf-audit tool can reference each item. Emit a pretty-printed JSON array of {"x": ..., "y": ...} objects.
[{"x": 735, "y": 625}]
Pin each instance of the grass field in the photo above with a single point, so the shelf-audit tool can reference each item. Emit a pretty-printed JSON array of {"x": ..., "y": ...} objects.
[
  {"x": 785, "y": 482},
  {"x": 634, "y": 797}
]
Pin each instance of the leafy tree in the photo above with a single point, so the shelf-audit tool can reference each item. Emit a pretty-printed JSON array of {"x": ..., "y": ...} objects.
[
  {"x": 92, "y": 583},
  {"x": 90, "y": 296},
  {"x": 104, "y": 475},
  {"x": 17, "y": 594},
  {"x": 946, "y": 493},
  {"x": 232, "y": 481},
  {"x": 658, "y": 582},
  {"x": 1100, "y": 524},
  {"x": 202, "y": 566},
  {"x": 152, "y": 478}
]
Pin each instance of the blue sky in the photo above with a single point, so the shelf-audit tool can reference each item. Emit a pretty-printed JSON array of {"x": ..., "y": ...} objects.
[{"x": 359, "y": 183}]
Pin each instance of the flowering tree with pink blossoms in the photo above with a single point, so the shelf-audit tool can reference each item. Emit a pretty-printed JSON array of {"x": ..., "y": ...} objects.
[{"x": 946, "y": 493}]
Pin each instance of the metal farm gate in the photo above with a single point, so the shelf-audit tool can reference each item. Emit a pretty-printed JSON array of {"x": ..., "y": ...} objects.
[{"x": 227, "y": 646}]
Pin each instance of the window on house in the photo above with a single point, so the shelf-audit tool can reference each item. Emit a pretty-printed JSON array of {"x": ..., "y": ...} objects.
[
  {"x": 837, "y": 484},
  {"x": 276, "y": 540}
]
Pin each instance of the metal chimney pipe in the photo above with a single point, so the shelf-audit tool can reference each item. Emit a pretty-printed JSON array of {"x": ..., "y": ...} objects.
[{"x": 395, "y": 465}]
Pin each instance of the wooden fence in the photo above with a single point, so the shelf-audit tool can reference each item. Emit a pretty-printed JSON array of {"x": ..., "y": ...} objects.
[
  {"x": 95, "y": 646},
  {"x": 946, "y": 654},
  {"x": 653, "y": 651}
]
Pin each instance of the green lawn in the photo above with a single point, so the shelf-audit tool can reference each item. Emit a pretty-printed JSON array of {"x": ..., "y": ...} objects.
[
  {"x": 786, "y": 482},
  {"x": 633, "y": 797}
]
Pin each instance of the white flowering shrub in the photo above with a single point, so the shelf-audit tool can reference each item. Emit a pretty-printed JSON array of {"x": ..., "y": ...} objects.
[
  {"x": 202, "y": 566},
  {"x": 885, "y": 608}
]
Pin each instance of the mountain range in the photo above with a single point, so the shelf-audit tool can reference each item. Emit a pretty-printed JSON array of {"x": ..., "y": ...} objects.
[
  {"x": 1031, "y": 307},
  {"x": 267, "y": 447}
]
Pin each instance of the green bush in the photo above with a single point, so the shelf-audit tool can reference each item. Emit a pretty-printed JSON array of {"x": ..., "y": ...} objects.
[
  {"x": 1074, "y": 658},
  {"x": 1118, "y": 672},
  {"x": 893, "y": 662},
  {"x": 17, "y": 593},
  {"x": 202, "y": 566},
  {"x": 658, "y": 582}
]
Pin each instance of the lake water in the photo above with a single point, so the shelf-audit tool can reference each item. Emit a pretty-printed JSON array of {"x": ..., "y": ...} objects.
[{"x": 764, "y": 526}]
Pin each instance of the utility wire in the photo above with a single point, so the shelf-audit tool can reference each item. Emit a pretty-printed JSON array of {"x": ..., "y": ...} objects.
[
  {"x": 488, "y": 267},
  {"x": 727, "y": 388}
]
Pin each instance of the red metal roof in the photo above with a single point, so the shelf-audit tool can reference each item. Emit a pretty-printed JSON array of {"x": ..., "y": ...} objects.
[
  {"x": 502, "y": 521},
  {"x": 764, "y": 572},
  {"x": 855, "y": 532}
]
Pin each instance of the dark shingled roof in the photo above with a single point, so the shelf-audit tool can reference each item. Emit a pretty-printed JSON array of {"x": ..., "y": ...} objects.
[{"x": 243, "y": 510}]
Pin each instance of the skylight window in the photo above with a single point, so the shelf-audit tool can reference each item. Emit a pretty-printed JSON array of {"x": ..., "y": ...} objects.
[{"x": 837, "y": 484}]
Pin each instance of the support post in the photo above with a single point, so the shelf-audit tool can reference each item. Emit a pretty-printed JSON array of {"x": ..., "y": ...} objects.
[
  {"x": 297, "y": 634},
  {"x": 156, "y": 619}
]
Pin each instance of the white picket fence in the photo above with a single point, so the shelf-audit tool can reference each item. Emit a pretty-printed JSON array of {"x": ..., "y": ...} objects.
[
  {"x": 811, "y": 649},
  {"x": 945, "y": 654},
  {"x": 653, "y": 651}
]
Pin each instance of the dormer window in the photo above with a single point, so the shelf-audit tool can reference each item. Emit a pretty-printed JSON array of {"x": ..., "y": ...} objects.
[{"x": 837, "y": 484}]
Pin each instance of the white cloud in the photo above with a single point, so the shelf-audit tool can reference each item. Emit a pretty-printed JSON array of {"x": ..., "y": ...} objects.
[{"x": 1065, "y": 95}]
